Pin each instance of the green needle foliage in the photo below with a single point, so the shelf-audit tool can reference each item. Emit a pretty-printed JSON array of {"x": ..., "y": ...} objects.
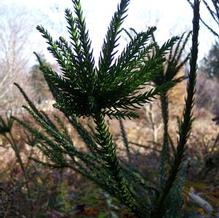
[
  {"x": 115, "y": 88},
  {"x": 6, "y": 126},
  {"x": 170, "y": 70},
  {"x": 111, "y": 87}
]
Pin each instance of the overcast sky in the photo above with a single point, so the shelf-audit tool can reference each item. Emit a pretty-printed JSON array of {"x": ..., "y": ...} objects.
[{"x": 171, "y": 17}]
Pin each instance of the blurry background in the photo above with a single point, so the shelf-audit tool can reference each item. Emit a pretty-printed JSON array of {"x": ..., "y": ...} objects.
[{"x": 51, "y": 194}]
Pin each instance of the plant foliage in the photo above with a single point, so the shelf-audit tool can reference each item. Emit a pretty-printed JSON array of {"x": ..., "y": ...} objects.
[{"x": 113, "y": 87}]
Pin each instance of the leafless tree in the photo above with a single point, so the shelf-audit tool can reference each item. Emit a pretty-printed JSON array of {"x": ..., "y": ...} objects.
[{"x": 14, "y": 33}]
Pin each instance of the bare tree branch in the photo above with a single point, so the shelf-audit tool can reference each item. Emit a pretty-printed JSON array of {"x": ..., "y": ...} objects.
[{"x": 14, "y": 34}]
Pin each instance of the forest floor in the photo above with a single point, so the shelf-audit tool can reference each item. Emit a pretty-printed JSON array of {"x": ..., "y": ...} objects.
[{"x": 62, "y": 193}]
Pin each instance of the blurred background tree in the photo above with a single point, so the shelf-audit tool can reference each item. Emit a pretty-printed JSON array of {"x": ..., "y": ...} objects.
[
  {"x": 38, "y": 83},
  {"x": 210, "y": 63},
  {"x": 16, "y": 64},
  {"x": 14, "y": 36}
]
